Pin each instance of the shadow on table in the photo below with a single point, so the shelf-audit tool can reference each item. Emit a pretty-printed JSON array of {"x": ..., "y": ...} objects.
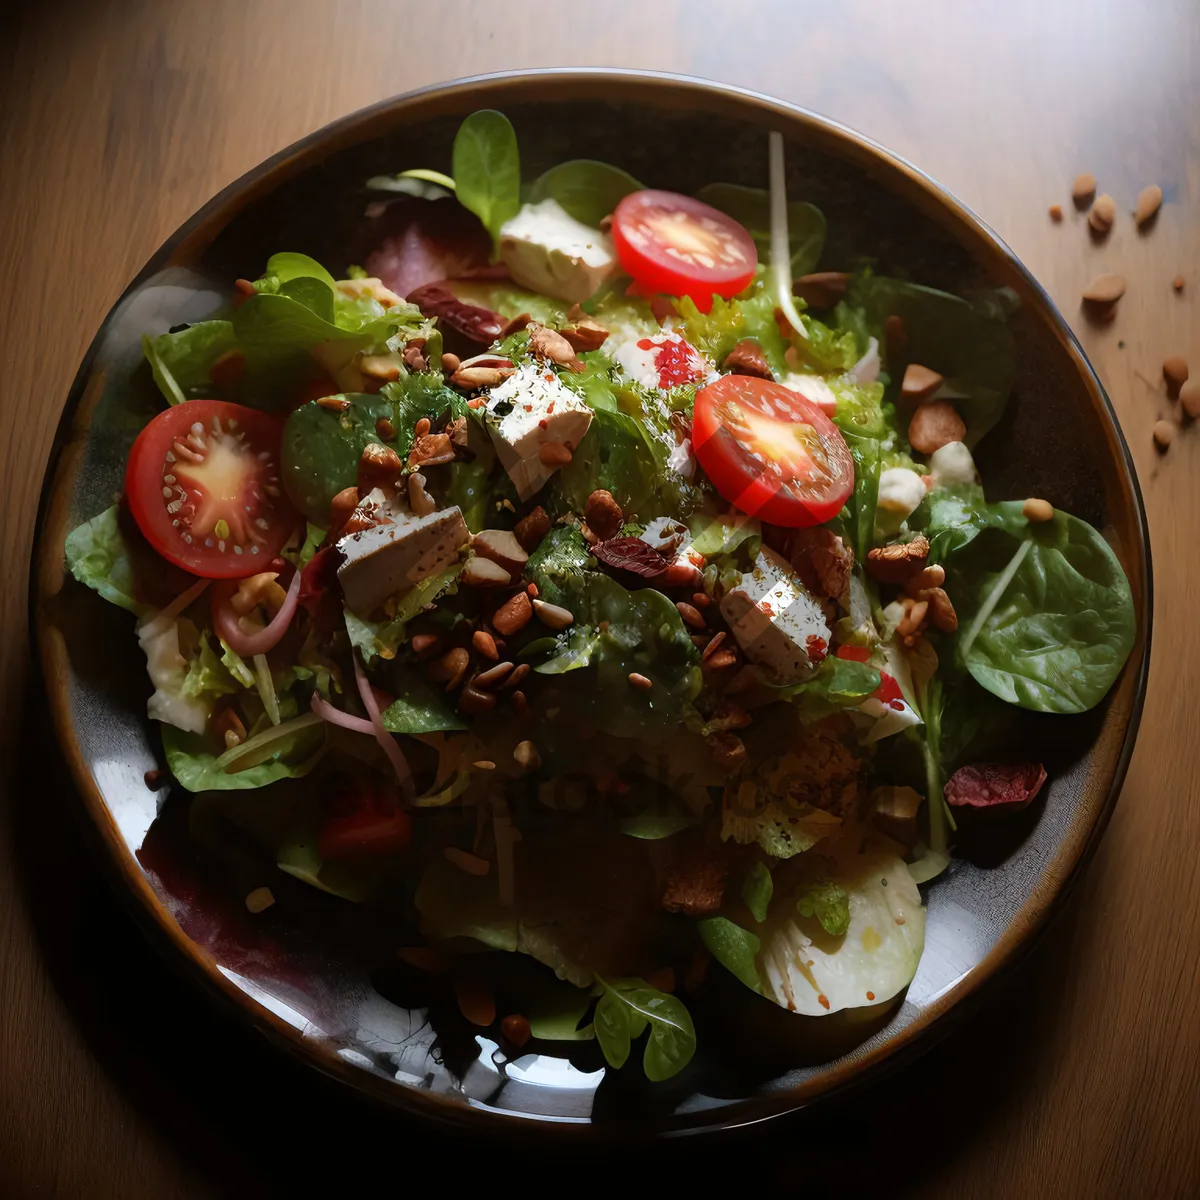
[{"x": 247, "y": 1120}]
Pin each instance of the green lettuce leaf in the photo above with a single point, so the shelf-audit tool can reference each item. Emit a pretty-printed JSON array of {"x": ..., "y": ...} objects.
[
  {"x": 194, "y": 765},
  {"x": 735, "y": 948},
  {"x": 416, "y": 707},
  {"x": 100, "y": 558},
  {"x": 828, "y": 902},
  {"x": 381, "y": 639},
  {"x": 757, "y": 889},
  {"x": 207, "y": 674},
  {"x": 625, "y": 1009}
]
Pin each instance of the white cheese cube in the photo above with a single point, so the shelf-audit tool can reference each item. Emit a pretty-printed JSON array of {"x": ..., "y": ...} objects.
[
  {"x": 389, "y": 559},
  {"x": 528, "y": 410},
  {"x": 775, "y": 620},
  {"x": 548, "y": 251},
  {"x": 952, "y": 465},
  {"x": 900, "y": 493}
]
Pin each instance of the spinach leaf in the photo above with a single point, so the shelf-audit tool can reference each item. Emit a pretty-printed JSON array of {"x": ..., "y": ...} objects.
[
  {"x": 751, "y": 207},
  {"x": 953, "y": 517},
  {"x": 555, "y": 1012},
  {"x": 381, "y": 639},
  {"x": 625, "y": 1008},
  {"x": 735, "y": 948},
  {"x": 654, "y": 825},
  {"x": 195, "y": 766},
  {"x": 969, "y": 343},
  {"x": 757, "y": 889},
  {"x": 1046, "y": 622},
  {"x": 574, "y": 651},
  {"x": 713, "y": 536},
  {"x": 350, "y": 879},
  {"x": 486, "y": 166},
  {"x": 287, "y": 265},
  {"x": 557, "y": 564},
  {"x": 839, "y": 683},
  {"x": 586, "y": 189},
  {"x": 828, "y": 902},
  {"x": 321, "y": 450},
  {"x": 100, "y": 558},
  {"x": 416, "y": 707}
]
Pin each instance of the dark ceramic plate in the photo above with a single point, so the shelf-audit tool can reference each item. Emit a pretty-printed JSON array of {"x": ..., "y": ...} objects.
[{"x": 313, "y": 973}]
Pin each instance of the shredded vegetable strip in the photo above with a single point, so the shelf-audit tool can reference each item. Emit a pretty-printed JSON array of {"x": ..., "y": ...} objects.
[
  {"x": 781, "y": 252},
  {"x": 266, "y": 687},
  {"x": 388, "y": 743},
  {"x": 249, "y": 644},
  {"x": 258, "y": 748},
  {"x": 335, "y": 716},
  {"x": 166, "y": 615}
]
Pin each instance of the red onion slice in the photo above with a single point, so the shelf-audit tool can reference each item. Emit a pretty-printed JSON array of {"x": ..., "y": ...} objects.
[
  {"x": 225, "y": 621},
  {"x": 389, "y": 744},
  {"x": 335, "y": 716}
]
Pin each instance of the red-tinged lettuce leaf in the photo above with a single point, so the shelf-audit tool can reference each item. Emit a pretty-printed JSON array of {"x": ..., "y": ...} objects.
[
  {"x": 426, "y": 241},
  {"x": 992, "y": 785},
  {"x": 631, "y": 554}
]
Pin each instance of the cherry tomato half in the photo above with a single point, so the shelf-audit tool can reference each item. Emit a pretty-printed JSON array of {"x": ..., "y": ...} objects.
[
  {"x": 203, "y": 485},
  {"x": 771, "y": 451},
  {"x": 683, "y": 247}
]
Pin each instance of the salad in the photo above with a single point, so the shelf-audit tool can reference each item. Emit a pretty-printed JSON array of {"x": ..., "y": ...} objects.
[{"x": 593, "y": 579}]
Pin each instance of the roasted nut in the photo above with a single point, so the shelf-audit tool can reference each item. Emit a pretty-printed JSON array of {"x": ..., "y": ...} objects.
[
  {"x": 1189, "y": 397},
  {"x": 747, "y": 358},
  {"x": 1149, "y": 201},
  {"x": 554, "y": 454},
  {"x": 493, "y": 676},
  {"x": 414, "y": 355},
  {"x": 691, "y": 615},
  {"x": 419, "y": 500},
  {"x": 379, "y": 467},
  {"x": 520, "y": 703},
  {"x": 526, "y": 756},
  {"x": 550, "y": 346},
  {"x": 431, "y": 450},
  {"x": 531, "y": 528},
  {"x": 1037, "y": 510},
  {"x": 721, "y": 659},
  {"x": 513, "y": 615},
  {"x": 894, "y": 564},
  {"x": 941, "y": 611},
  {"x": 1083, "y": 189},
  {"x": 919, "y": 382},
  {"x": 518, "y": 673},
  {"x": 603, "y": 514},
  {"x": 713, "y": 644},
  {"x": 485, "y": 644},
  {"x": 640, "y": 681},
  {"x": 473, "y": 701},
  {"x": 1178, "y": 283},
  {"x": 458, "y": 433},
  {"x": 226, "y": 726},
  {"x": 822, "y": 560},
  {"x": 552, "y": 615},
  {"x": 381, "y": 366},
  {"x": 423, "y": 643},
  {"x": 516, "y": 1031},
  {"x": 929, "y": 577},
  {"x": 471, "y": 379},
  {"x": 501, "y": 547},
  {"x": 1056, "y": 212},
  {"x": 822, "y": 289},
  {"x": 337, "y": 404},
  {"x": 482, "y": 572},
  {"x": 340, "y": 508},
  {"x": 914, "y": 616},
  {"x": 1105, "y": 289},
  {"x": 727, "y": 749},
  {"x": 514, "y": 325},
  {"x": 1164, "y": 434},
  {"x": 1175, "y": 372},
  {"x": 1103, "y": 213},
  {"x": 385, "y": 431},
  {"x": 584, "y": 333},
  {"x": 451, "y": 667},
  {"x": 450, "y": 362},
  {"x": 935, "y": 425}
]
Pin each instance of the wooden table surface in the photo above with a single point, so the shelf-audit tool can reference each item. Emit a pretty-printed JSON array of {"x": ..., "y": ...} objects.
[{"x": 1081, "y": 1076}]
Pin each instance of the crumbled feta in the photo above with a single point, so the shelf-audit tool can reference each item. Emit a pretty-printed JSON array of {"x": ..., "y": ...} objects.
[
  {"x": 389, "y": 559},
  {"x": 529, "y": 409},
  {"x": 660, "y": 360},
  {"x": 167, "y": 668},
  {"x": 775, "y": 620},
  {"x": 900, "y": 493},
  {"x": 548, "y": 251},
  {"x": 952, "y": 465}
]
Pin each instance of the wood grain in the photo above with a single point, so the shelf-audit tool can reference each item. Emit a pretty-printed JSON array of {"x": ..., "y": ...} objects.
[{"x": 1082, "y": 1076}]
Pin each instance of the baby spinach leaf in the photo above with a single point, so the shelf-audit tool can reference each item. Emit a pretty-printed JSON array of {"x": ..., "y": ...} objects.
[
  {"x": 574, "y": 651},
  {"x": 557, "y": 564},
  {"x": 751, "y": 207},
  {"x": 969, "y": 343},
  {"x": 486, "y": 166},
  {"x": 555, "y": 1011},
  {"x": 757, "y": 889},
  {"x": 1047, "y": 622},
  {"x": 99, "y": 557},
  {"x": 828, "y": 902},
  {"x": 586, "y": 189},
  {"x": 416, "y": 707},
  {"x": 838, "y": 683},
  {"x": 735, "y": 948},
  {"x": 321, "y": 449},
  {"x": 287, "y": 265},
  {"x": 951, "y": 518},
  {"x": 625, "y": 1008}
]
